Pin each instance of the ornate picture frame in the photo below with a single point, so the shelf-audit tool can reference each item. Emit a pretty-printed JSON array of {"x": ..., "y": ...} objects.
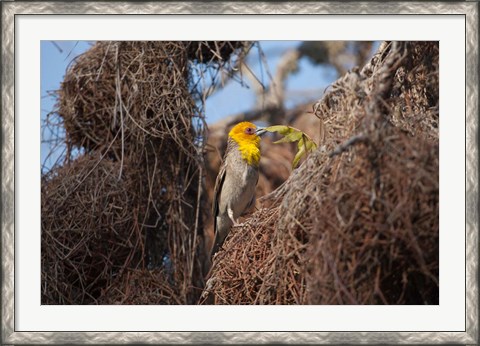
[{"x": 11, "y": 9}]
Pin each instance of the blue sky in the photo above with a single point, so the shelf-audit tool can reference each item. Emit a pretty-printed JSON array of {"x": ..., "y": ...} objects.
[
  {"x": 305, "y": 85},
  {"x": 55, "y": 58}
]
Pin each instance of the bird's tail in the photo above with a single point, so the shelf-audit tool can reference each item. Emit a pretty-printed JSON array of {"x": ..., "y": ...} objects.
[{"x": 217, "y": 243}]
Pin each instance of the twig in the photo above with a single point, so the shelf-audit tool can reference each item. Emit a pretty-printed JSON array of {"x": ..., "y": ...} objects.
[
  {"x": 119, "y": 96},
  {"x": 360, "y": 138}
]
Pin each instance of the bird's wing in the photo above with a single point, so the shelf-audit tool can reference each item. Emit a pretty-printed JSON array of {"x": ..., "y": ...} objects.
[
  {"x": 254, "y": 198},
  {"x": 216, "y": 194}
]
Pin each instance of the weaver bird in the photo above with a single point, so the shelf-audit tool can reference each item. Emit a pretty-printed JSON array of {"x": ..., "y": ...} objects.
[{"x": 236, "y": 181}]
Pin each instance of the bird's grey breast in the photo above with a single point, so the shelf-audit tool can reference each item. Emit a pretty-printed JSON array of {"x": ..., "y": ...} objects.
[
  {"x": 243, "y": 172},
  {"x": 242, "y": 180}
]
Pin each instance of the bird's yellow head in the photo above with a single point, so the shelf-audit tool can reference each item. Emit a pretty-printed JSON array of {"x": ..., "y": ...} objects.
[{"x": 247, "y": 136}]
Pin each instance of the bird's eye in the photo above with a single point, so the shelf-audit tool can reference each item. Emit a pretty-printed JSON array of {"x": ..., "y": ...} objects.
[{"x": 249, "y": 131}]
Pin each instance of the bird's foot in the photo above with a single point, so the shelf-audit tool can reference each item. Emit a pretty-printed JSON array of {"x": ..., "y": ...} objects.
[
  {"x": 230, "y": 215},
  {"x": 237, "y": 224}
]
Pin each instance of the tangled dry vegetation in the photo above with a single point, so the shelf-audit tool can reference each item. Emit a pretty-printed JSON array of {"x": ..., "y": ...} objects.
[
  {"x": 358, "y": 222},
  {"x": 127, "y": 221},
  {"x": 130, "y": 201}
]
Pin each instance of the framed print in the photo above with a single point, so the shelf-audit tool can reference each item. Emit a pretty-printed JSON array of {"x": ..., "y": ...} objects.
[{"x": 231, "y": 172}]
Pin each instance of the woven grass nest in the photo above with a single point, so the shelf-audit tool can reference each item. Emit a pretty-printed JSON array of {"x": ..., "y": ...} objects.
[
  {"x": 358, "y": 222},
  {"x": 129, "y": 202},
  {"x": 126, "y": 96},
  {"x": 91, "y": 228}
]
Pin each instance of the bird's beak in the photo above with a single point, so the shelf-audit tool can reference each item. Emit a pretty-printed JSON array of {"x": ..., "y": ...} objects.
[{"x": 260, "y": 131}]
